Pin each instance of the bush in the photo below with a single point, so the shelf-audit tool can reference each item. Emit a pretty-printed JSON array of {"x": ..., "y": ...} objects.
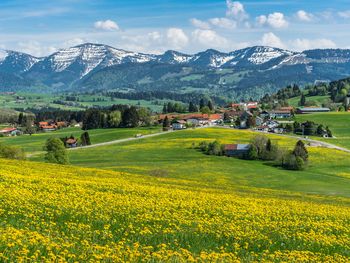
[
  {"x": 292, "y": 162},
  {"x": 252, "y": 153},
  {"x": 56, "y": 151},
  {"x": 215, "y": 148},
  {"x": 11, "y": 152}
]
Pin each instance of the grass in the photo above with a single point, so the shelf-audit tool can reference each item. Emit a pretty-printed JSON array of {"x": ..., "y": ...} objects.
[
  {"x": 33, "y": 100},
  {"x": 36, "y": 142},
  {"x": 318, "y": 100},
  {"x": 338, "y": 122},
  {"x": 52, "y": 213},
  {"x": 171, "y": 156}
]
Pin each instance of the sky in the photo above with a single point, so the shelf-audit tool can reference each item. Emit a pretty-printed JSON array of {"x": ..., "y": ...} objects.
[{"x": 41, "y": 27}]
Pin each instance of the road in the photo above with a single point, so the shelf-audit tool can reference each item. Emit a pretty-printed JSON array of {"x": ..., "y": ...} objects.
[{"x": 121, "y": 140}]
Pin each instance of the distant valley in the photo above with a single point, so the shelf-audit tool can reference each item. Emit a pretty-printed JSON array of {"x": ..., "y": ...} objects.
[{"x": 245, "y": 73}]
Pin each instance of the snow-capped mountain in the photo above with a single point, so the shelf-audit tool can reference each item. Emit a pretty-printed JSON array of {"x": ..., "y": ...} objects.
[
  {"x": 16, "y": 62},
  {"x": 102, "y": 66}
]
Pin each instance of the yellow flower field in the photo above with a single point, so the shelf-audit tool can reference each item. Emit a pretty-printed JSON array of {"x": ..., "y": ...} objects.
[{"x": 50, "y": 213}]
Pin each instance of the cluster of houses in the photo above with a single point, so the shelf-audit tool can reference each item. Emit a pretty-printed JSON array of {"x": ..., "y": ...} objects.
[
  {"x": 47, "y": 126},
  {"x": 243, "y": 115}
]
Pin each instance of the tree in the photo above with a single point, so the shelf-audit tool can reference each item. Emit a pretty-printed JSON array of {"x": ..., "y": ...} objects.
[
  {"x": 115, "y": 118},
  {"x": 11, "y": 152},
  {"x": 165, "y": 108},
  {"x": 252, "y": 153},
  {"x": 144, "y": 116},
  {"x": 320, "y": 130},
  {"x": 192, "y": 107},
  {"x": 85, "y": 139},
  {"x": 166, "y": 123},
  {"x": 20, "y": 119},
  {"x": 302, "y": 100},
  {"x": 227, "y": 117},
  {"x": 259, "y": 142},
  {"x": 201, "y": 103},
  {"x": 329, "y": 132},
  {"x": 300, "y": 151},
  {"x": 251, "y": 122},
  {"x": 55, "y": 151},
  {"x": 210, "y": 105},
  {"x": 214, "y": 148},
  {"x": 130, "y": 117},
  {"x": 205, "y": 110}
]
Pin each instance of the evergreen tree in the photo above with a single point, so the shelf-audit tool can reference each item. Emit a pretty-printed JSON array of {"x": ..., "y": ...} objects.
[
  {"x": 166, "y": 122},
  {"x": 210, "y": 105},
  {"x": 329, "y": 132},
  {"x": 85, "y": 139},
  {"x": 20, "y": 118},
  {"x": 165, "y": 108},
  {"x": 130, "y": 117},
  {"x": 201, "y": 104},
  {"x": 192, "y": 107},
  {"x": 302, "y": 100}
]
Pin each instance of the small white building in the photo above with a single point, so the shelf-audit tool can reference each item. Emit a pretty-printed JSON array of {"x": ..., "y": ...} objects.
[{"x": 179, "y": 125}]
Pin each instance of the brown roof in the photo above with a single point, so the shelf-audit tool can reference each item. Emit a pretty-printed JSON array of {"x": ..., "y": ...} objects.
[
  {"x": 230, "y": 147},
  {"x": 71, "y": 141}
]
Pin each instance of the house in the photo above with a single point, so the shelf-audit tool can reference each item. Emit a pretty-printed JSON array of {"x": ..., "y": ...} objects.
[
  {"x": 43, "y": 123},
  {"x": 265, "y": 114},
  {"x": 280, "y": 114},
  {"x": 48, "y": 128},
  {"x": 258, "y": 121},
  {"x": 305, "y": 110},
  {"x": 263, "y": 128},
  {"x": 10, "y": 132},
  {"x": 61, "y": 124},
  {"x": 179, "y": 125},
  {"x": 236, "y": 150},
  {"x": 72, "y": 143}
]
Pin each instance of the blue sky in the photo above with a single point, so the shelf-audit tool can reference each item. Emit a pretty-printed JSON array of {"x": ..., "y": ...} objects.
[{"x": 41, "y": 27}]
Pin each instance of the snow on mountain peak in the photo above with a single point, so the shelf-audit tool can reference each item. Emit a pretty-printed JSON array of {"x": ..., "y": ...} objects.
[{"x": 3, "y": 55}]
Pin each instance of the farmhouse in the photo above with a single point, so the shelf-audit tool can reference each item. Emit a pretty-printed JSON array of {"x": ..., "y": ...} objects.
[
  {"x": 179, "y": 125},
  {"x": 236, "y": 150},
  {"x": 306, "y": 110},
  {"x": 72, "y": 143},
  {"x": 9, "y": 132},
  {"x": 48, "y": 128}
]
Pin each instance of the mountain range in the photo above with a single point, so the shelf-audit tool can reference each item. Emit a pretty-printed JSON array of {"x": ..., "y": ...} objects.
[{"x": 248, "y": 72}]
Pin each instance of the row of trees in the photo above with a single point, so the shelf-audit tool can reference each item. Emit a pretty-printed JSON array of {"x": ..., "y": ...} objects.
[
  {"x": 204, "y": 106},
  {"x": 309, "y": 128},
  {"x": 116, "y": 116}
]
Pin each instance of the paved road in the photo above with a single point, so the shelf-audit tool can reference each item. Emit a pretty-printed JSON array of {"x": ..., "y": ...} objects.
[{"x": 121, "y": 140}]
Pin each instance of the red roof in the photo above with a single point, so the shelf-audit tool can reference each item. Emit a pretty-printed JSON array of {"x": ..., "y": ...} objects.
[
  {"x": 230, "y": 147},
  {"x": 8, "y": 130},
  {"x": 43, "y": 123}
]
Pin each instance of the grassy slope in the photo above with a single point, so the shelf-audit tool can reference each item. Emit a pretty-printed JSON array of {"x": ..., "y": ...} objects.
[
  {"x": 52, "y": 213},
  {"x": 36, "y": 142},
  {"x": 338, "y": 122},
  {"x": 171, "y": 156},
  {"x": 46, "y": 100},
  {"x": 317, "y": 99}
]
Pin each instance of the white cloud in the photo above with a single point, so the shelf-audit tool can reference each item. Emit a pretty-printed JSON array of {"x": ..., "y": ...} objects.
[
  {"x": 344, "y": 14},
  {"x": 176, "y": 38},
  {"x": 107, "y": 25},
  {"x": 270, "y": 39},
  {"x": 35, "y": 48},
  {"x": 236, "y": 10},
  {"x": 200, "y": 24},
  {"x": 223, "y": 22},
  {"x": 209, "y": 38},
  {"x": 74, "y": 42},
  {"x": 274, "y": 20},
  {"x": 305, "y": 44},
  {"x": 304, "y": 16}
]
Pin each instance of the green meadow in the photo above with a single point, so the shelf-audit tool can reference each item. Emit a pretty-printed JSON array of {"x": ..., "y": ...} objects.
[
  {"x": 36, "y": 142},
  {"x": 338, "y": 122},
  {"x": 173, "y": 156}
]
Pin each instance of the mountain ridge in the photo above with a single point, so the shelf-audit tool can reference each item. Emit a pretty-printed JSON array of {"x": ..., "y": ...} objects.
[{"x": 72, "y": 68}]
